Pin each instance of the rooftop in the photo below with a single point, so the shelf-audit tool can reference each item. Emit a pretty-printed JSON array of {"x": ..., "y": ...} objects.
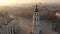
[{"x": 4, "y": 21}]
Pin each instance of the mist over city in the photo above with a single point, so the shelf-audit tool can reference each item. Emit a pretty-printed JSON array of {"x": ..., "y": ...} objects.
[{"x": 29, "y": 17}]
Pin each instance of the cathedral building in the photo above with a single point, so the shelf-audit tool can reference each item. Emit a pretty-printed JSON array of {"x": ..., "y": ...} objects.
[{"x": 9, "y": 25}]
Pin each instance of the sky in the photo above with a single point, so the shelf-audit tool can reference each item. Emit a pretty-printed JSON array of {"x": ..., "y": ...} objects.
[
  {"x": 11, "y": 2},
  {"x": 50, "y": 1}
]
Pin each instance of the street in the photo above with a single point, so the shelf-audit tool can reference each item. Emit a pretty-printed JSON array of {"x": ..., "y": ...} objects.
[{"x": 26, "y": 26}]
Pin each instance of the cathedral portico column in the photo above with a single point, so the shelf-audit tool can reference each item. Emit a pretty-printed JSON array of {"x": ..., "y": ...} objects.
[
  {"x": 7, "y": 29},
  {"x": 12, "y": 30}
]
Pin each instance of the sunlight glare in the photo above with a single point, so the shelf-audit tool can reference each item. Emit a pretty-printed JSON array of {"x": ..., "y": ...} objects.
[{"x": 11, "y": 2}]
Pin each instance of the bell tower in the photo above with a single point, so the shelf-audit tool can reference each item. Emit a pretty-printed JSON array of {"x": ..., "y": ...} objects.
[{"x": 36, "y": 21}]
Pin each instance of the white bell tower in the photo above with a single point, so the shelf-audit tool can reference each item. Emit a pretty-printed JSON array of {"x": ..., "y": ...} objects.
[{"x": 36, "y": 21}]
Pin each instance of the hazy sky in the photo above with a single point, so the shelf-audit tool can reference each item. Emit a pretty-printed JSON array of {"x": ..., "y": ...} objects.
[
  {"x": 50, "y": 1},
  {"x": 10, "y": 2}
]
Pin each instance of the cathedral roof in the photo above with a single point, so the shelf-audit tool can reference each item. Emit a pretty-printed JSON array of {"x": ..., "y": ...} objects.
[{"x": 3, "y": 20}]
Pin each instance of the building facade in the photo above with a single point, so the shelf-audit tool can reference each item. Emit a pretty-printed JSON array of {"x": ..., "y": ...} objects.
[{"x": 11, "y": 27}]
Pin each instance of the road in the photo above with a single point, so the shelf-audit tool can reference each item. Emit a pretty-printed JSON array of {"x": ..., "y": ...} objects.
[
  {"x": 46, "y": 27},
  {"x": 26, "y": 25}
]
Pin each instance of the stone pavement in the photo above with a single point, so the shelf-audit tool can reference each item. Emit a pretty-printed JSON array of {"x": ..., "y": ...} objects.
[
  {"x": 26, "y": 26},
  {"x": 21, "y": 31},
  {"x": 46, "y": 27}
]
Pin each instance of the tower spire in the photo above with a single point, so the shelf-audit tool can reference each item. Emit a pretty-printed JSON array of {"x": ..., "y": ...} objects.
[
  {"x": 36, "y": 9},
  {"x": 36, "y": 6}
]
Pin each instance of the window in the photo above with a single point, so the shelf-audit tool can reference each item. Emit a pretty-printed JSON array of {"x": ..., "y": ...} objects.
[
  {"x": 54, "y": 28},
  {"x": 40, "y": 32},
  {"x": 34, "y": 24},
  {"x": 36, "y": 19},
  {"x": 14, "y": 31},
  {"x": 0, "y": 26},
  {"x": 36, "y": 14}
]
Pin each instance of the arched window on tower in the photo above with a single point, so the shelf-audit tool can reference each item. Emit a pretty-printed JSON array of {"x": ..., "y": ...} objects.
[
  {"x": 36, "y": 19},
  {"x": 36, "y": 14},
  {"x": 40, "y": 32}
]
